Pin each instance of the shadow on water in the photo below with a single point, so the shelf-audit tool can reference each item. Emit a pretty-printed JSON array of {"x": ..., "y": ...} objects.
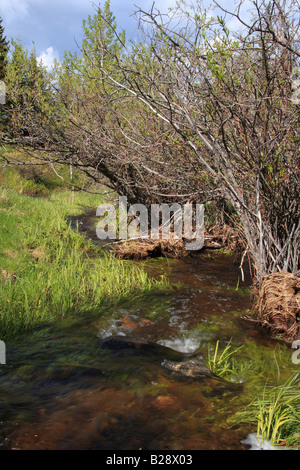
[{"x": 61, "y": 389}]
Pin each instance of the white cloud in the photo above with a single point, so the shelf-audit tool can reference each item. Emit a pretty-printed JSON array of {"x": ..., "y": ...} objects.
[
  {"x": 14, "y": 9},
  {"x": 48, "y": 56}
]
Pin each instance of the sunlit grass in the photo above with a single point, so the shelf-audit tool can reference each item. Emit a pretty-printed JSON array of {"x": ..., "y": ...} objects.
[
  {"x": 274, "y": 408},
  {"x": 49, "y": 270},
  {"x": 276, "y": 413},
  {"x": 221, "y": 362}
]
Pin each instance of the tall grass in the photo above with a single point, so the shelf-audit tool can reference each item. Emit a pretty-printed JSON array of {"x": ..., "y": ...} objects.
[
  {"x": 49, "y": 270},
  {"x": 10, "y": 178},
  {"x": 221, "y": 362},
  {"x": 276, "y": 412}
]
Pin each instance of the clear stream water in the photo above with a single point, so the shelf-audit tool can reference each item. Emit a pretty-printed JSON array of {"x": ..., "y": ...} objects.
[{"x": 61, "y": 390}]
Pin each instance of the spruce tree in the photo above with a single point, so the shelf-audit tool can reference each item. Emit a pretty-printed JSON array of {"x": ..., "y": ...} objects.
[{"x": 3, "y": 51}]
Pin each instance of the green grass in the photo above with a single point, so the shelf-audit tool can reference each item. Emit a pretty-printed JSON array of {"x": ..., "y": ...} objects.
[
  {"x": 276, "y": 413},
  {"x": 273, "y": 408},
  {"x": 30, "y": 184},
  {"x": 36, "y": 179},
  {"x": 221, "y": 362},
  {"x": 48, "y": 270}
]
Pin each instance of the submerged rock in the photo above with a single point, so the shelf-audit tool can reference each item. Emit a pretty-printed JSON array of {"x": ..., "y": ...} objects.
[
  {"x": 169, "y": 358},
  {"x": 125, "y": 342},
  {"x": 137, "y": 345},
  {"x": 192, "y": 368}
]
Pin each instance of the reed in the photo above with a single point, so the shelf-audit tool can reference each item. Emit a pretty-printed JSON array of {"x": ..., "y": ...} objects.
[
  {"x": 220, "y": 362},
  {"x": 276, "y": 412}
]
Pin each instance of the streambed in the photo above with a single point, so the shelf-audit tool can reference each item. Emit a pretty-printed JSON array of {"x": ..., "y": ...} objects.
[{"x": 61, "y": 390}]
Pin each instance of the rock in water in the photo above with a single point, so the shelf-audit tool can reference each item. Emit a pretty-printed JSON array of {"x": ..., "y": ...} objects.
[
  {"x": 169, "y": 358},
  {"x": 192, "y": 368},
  {"x": 144, "y": 347},
  {"x": 121, "y": 342}
]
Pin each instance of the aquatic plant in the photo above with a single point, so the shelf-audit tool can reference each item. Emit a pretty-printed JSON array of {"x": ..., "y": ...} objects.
[
  {"x": 276, "y": 412},
  {"x": 220, "y": 361}
]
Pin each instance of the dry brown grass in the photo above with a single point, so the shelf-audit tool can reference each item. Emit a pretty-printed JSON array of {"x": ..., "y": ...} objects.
[
  {"x": 278, "y": 304},
  {"x": 143, "y": 249},
  {"x": 6, "y": 275},
  {"x": 39, "y": 253},
  {"x": 216, "y": 237},
  {"x": 13, "y": 254},
  {"x": 223, "y": 236}
]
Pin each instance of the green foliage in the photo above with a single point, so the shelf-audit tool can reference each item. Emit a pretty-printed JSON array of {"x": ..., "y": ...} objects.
[
  {"x": 99, "y": 35},
  {"x": 36, "y": 179},
  {"x": 28, "y": 88},
  {"x": 275, "y": 409},
  {"x": 276, "y": 412},
  {"x": 3, "y": 51},
  {"x": 221, "y": 362},
  {"x": 99, "y": 48},
  {"x": 35, "y": 184},
  {"x": 48, "y": 270}
]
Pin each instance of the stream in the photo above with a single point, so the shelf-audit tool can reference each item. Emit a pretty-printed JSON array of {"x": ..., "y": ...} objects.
[{"x": 61, "y": 390}]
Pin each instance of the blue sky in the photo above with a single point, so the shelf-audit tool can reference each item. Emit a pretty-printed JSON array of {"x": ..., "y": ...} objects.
[{"x": 55, "y": 25}]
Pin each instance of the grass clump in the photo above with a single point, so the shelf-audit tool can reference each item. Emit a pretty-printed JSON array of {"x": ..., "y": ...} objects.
[
  {"x": 222, "y": 362},
  {"x": 48, "y": 270},
  {"x": 276, "y": 413}
]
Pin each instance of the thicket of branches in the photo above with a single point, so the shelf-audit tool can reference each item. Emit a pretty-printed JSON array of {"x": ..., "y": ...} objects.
[{"x": 191, "y": 112}]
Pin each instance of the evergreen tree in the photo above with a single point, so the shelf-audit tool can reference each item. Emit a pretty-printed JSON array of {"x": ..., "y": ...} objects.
[
  {"x": 28, "y": 92},
  {"x": 3, "y": 51}
]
